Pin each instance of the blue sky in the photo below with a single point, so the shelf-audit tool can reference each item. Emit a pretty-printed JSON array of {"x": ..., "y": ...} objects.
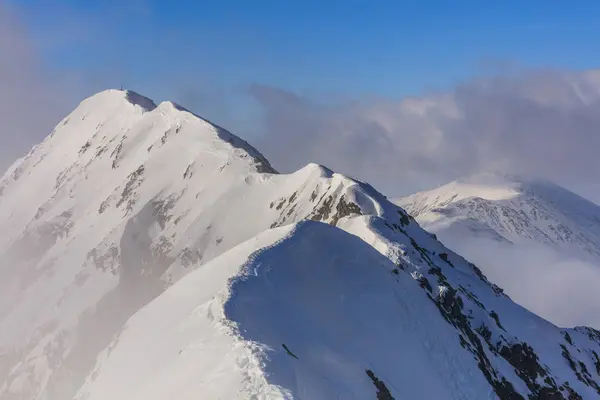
[{"x": 381, "y": 48}]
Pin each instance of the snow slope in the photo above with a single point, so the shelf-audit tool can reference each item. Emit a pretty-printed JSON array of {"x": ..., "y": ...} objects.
[
  {"x": 343, "y": 311},
  {"x": 310, "y": 287},
  {"x": 147, "y": 252},
  {"x": 121, "y": 200}
]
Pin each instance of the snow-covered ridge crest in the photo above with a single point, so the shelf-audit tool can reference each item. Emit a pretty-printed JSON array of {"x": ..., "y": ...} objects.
[
  {"x": 125, "y": 131},
  {"x": 116, "y": 204},
  {"x": 122, "y": 202}
]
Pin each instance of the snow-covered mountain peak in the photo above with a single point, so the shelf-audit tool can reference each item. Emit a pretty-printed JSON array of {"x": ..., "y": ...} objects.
[
  {"x": 115, "y": 97},
  {"x": 489, "y": 186},
  {"x": 147, "y": 253},
  {"x": 118, "y": 202},
  {"x": 510, "y": 207},
  {"x": 106, "y": 149}
]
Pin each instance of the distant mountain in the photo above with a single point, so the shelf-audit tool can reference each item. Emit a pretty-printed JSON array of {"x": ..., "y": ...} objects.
[
  {"x": 146, "y": 253},
  {"x": 510, "y": 208},
  {"x": 537, "y": 240}
]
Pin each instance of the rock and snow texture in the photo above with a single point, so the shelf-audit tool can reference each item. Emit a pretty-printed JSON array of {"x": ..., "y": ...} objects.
[
  {"x": 510, "y": 208},
  {"x": 146, "y": 253},
  {"x": 537, "y": 240}
]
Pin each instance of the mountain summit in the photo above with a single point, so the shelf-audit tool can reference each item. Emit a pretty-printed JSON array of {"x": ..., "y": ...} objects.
[
  {"x": 511, "y": 208},
  {"x": 147, "y": 253}
]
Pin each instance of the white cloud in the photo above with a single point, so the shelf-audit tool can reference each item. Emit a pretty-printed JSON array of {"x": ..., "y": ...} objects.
[
  {"x": 561, "y": 288},
  {"x": 542, "y": 123}
]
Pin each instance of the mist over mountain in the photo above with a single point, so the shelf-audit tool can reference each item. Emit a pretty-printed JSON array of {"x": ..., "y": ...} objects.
[{"x": 540, "y": 123}]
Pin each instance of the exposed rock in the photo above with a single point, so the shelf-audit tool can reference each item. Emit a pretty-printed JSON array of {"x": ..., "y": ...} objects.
[{"x": 383, "y": 393}]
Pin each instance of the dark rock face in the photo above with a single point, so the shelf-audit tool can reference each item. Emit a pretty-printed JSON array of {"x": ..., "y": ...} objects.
[
  {"x": 424, "y": 283},
  {"x": 404, "y": 218},
  {"x": 444, "y": 256},
  {"x": 289, "y": 352},
  {"x": 497, "y": 319},
  {"x": 383, "y": 392},
  {"x": 128, "y": 195},
  {"x": 579, "y": 369},
  {"x": 526, "y": 363},
  {"x": 344, "y": 209},
  {"x": 519, "y": 355},
  {"x": 486, "y": 338},
  {"x": 322, "y": 213}
]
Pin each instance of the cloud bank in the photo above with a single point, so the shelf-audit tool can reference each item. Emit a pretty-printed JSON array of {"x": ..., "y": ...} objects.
[
  {"x": 558, "y": 287},
  {"x": 541, "y": 123}
]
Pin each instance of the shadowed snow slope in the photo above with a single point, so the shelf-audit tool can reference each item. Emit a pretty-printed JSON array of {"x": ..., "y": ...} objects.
[
  {"x": 126, "y": 199},
  {"x": 326, "y": 295}
]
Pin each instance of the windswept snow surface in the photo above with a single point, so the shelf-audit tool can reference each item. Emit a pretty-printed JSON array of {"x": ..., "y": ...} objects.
[
  {"x": 196, "y": 351},
  {"x": 147, "y": 253},
  {"x": 326, "y": 295}
]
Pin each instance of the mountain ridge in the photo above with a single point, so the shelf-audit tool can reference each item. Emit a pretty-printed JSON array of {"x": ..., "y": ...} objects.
[{"x": 104, "y": 222}]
